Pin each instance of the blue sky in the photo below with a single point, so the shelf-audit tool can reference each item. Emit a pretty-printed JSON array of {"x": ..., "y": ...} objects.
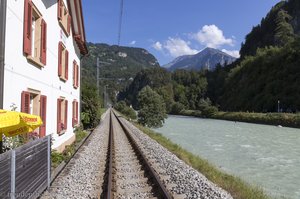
[{"x": 170, "y": 28}]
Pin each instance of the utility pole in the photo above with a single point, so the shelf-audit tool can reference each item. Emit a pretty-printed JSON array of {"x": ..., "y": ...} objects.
[
  {"x": 105, "y": 97},
  {"x": 97, "y": 78},
  {"x": 99, "y": 64},
  {"x": 3, "y": 4}
]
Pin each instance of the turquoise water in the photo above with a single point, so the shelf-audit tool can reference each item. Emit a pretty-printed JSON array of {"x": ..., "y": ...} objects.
[{"x": 267, "y": 156}]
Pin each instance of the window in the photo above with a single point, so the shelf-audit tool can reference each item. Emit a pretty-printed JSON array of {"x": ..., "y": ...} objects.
[
  {"x": 62, "y": 115},
  {"x": 64, "y": 17},
  {"x": 63, "y": 62},
  {"x": 35, "y": 35},
  {"x": 75, "y": 74},
  {"x": 32, "y": 102},
  {"x": 75, "y": 113}
]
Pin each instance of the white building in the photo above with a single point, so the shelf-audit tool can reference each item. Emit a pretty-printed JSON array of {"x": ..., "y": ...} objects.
[{"x": 44, "y": 44}]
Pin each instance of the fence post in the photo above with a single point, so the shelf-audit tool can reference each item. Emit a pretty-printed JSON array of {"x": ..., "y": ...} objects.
[
  {"x": 13, "y": 174},
  {"x": 49, "y": 160}
]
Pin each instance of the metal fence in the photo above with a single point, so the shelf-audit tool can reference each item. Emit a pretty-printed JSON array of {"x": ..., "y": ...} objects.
[{"x": 25, "y": 171}]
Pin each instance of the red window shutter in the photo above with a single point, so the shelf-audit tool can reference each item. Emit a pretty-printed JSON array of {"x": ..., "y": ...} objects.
[
  {"x": 67, "y": 64},
  {"x": 77, "y": 75},
  {"x": 27, "y": 27},
  {"x": 74, "y": 73},
  {"x": 73, "y": 113},
  {"x": 25, "y": 102},
  {"x": 44, "y": 42},
  {"x": 43, "y": 112},
  {"x": 59, "y": 115},
  {"x": 69, "y": 24},
  {"x": 77, "y": 113},
  {"x": 59, "y": 9},
  {"x": 60, "y": 48},
  {"x": 66, "y": 115}
]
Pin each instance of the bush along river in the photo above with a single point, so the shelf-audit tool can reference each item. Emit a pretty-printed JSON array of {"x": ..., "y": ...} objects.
[{"x": 263, "y": 155}]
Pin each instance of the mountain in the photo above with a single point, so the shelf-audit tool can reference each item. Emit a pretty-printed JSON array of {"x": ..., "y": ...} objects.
[
  {"x": 208, "y": 58},
  {"x": 118, "y": 65},
  {"x": 116, "y": 61}
]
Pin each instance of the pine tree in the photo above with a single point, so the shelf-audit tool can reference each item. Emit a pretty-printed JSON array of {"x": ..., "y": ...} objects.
[{"x": 284, "y": 32}]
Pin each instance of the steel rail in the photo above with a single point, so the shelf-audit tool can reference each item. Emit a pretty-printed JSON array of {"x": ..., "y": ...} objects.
[
  {"x": 110, "y": 165},
  {"x": 161, "y": 187}
]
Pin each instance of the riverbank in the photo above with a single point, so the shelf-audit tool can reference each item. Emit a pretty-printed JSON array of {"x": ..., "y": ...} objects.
[
  {"x": 282, "y": 119},
  {"x": 234, "y": 185}
]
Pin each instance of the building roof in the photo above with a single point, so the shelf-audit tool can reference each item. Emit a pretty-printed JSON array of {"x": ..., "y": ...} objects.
[{"x": 75, "y": 8}]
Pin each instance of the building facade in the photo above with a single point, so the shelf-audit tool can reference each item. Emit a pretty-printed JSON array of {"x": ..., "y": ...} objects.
[{"x": 44, "y": 44}]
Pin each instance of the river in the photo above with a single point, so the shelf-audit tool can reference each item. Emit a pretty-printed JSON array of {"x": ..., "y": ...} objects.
[{"x": 267, "y": 156}]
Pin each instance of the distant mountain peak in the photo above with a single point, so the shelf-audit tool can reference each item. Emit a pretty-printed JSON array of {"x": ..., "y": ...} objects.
[{"x": 208, "y": 58}]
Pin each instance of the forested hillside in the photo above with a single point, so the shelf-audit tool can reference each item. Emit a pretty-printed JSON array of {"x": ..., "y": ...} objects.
[
  {"x": 279, "y": 27},
  {"x": 116, "y": 61},
  {"x": 267, "y": 72},
  {"x": 118, "y": 65},
  {"x": 180, "y": 90}
]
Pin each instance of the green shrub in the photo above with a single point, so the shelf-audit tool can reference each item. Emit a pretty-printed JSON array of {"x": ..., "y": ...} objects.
[
  {"x": 152, "y": 111},
  {"x": 206, "y": 108},
  {"x": 91, "y": 106},
  {"x": 56, "y": 158},
  {"x": 80, "y": 135},
  {"x": 209, "y": 111},
  {"x": 284, "y": 119},
  {"x": 122, "y": 107},
  {"x": 69, "y": 152},
  {"x": 177, "y": 107}
]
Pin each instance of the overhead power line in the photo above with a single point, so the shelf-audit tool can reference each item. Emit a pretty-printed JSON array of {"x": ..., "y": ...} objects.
[{"x": 120, "y": 22}]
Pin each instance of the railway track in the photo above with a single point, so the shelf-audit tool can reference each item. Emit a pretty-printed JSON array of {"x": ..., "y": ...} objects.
[{"x": 130, "y": 175}]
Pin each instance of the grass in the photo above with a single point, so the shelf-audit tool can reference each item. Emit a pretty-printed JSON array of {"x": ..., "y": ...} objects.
[
  {"x": 284, "y": 119},
  {"x": 56, "y": 159},
  {"x": 66, "y": 155},
  {"x": 101, "y": 111},
  {"x": 80, "y": 135},
  {"x": 238, "y": 188}
]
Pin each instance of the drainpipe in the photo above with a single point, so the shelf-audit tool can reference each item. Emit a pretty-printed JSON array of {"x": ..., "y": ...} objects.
[
  {"x": 2, "y": 47},
  {"x": 80, "y": 89},
  {"x": 3, "y": 4}
]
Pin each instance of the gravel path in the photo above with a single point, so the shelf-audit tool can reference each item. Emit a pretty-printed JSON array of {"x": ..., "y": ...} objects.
[
  {"x": 180, "y": 178},
  {"x": 83, "y": 176}
]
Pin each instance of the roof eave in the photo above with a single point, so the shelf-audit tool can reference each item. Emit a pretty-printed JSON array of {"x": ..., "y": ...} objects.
[{"x": 79, "y": 36}]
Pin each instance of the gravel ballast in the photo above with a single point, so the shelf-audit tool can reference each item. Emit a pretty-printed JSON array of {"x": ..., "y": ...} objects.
[
  {"x": 83, "y": 176},
  {"x": 181, "y": 179}
]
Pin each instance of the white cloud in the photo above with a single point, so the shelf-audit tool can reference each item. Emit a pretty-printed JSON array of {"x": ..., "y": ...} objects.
[
  {"x": 157, "y": 46},
  {"x": 177, "y": 47},
  {"x": 132, "y": 43},
  {"x": 212, "y": 36},
  {"x": 233, "y": 53},
  {"x": 208, "y": 36}
]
